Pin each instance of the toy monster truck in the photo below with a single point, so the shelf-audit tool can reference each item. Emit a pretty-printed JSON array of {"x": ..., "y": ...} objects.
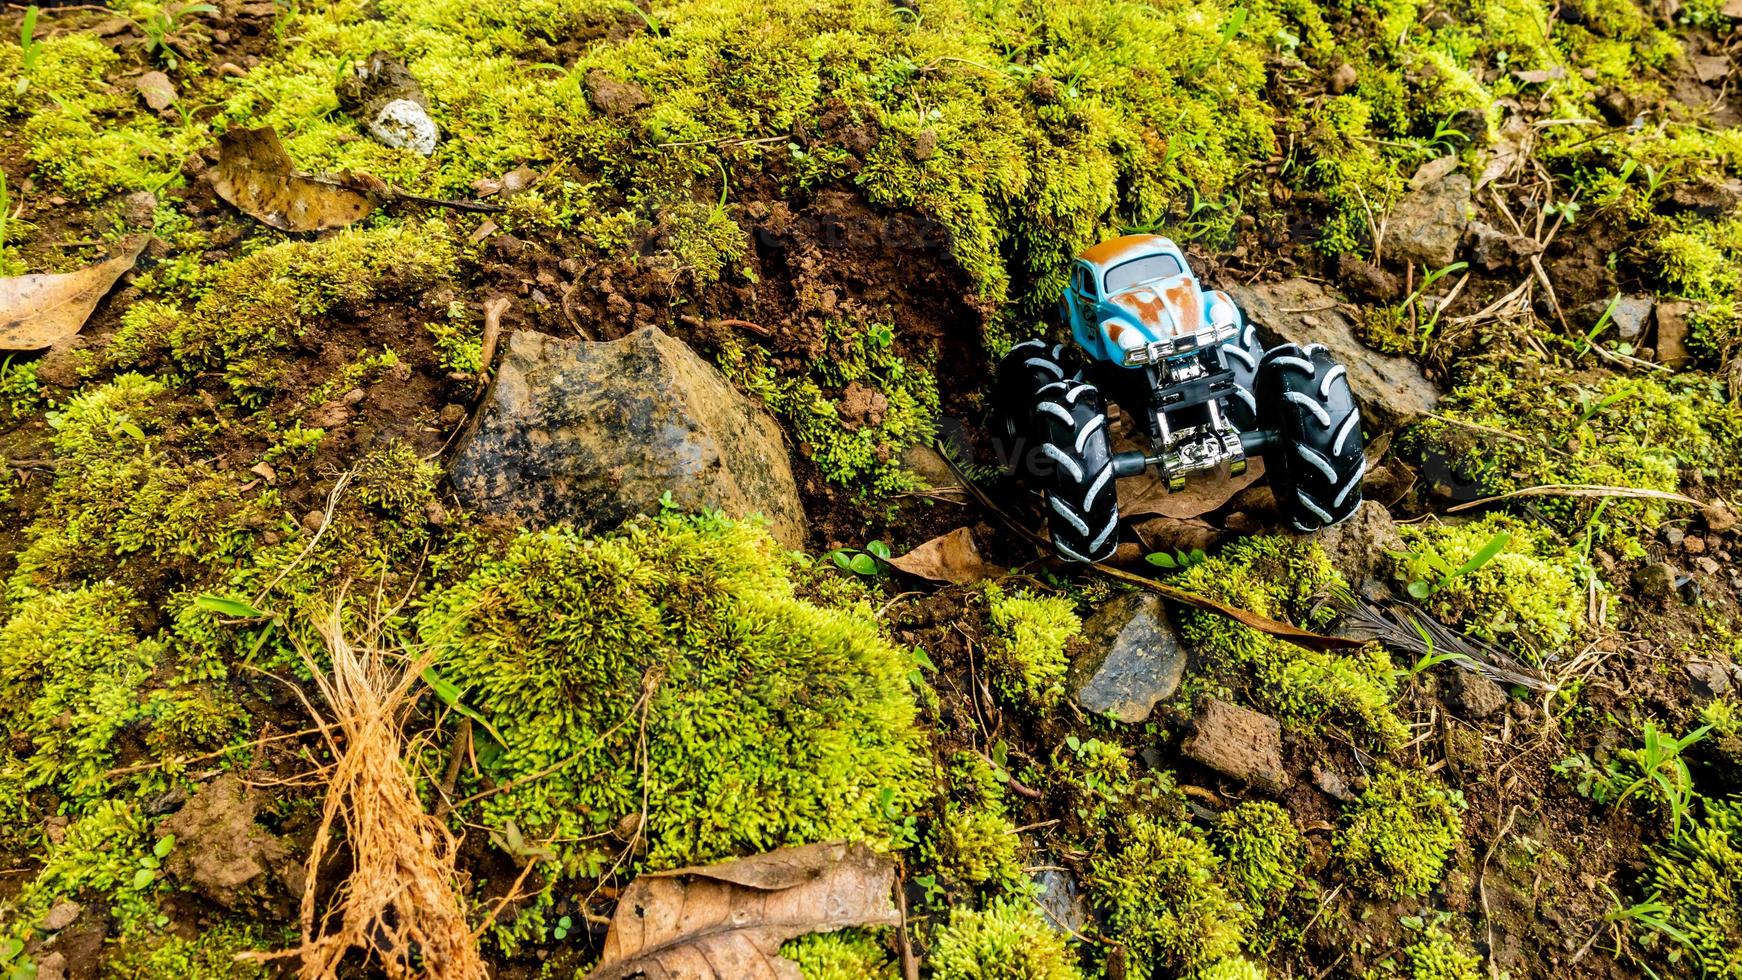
[{"x": 1184, "y": 364}]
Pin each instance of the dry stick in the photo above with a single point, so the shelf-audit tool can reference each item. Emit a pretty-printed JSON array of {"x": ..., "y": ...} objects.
[
  {"x": 1482, "y": 887},
  {"x": 185, "y": 759},
  {"x": 456, "y": 756},
  {"x": 1580, "y": 490},
  {"x": 493, "y": 310},
  {"x": 333, "y": 496},
  {"x": 909, "y": 962}
]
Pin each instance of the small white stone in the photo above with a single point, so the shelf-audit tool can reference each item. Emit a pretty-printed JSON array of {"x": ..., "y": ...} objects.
[{"x": 404, "y": 124}]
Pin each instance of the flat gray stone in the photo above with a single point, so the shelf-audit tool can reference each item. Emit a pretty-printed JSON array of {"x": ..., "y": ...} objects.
[
  {"x": 1134, "y": 661},
  {"x": 1391, "y": 388},
  {"x": 592, "y": 434},
  {"x": 1061, "y": 901}
]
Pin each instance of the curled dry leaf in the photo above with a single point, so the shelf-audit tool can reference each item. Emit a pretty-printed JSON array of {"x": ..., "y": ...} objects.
[
  {"x": 951, "y": 557},
  {"x": 46, "y": 311},
  {"x": 727, "y": 921},
  {"x": 256, "y": 175}
]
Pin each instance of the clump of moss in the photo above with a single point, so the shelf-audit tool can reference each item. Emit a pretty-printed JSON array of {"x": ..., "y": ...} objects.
[
  {"x": 1287, "y": 578},
  {"x": 1092, "y": 778},
  {"x": 850, "y": 954},
  {"x": 120, "y": 491},
  {"x": 1263, "y": 852},
  {"x": 974, "y": 840},
  {"x": 1162, "y": 901},
  {"x": 1613, "y": 430},
  {"x": 1698, "y": 877},
  {"x": 107, "y": 852},
  {"x": 1008, "y": 940},
  {"x": 71, "y": 668},
  {"x": 666, "y": 675},
  {"x": 270, "y": 301},
  {"x": 859, "y": 407},
  {"x": 1527, "y": 594},
  {"x": 1437, "y": 956},
  {"x": 1026, "y": 658},
  {"x": 1397, "y": 836},
  {"x": 210, "y": 955}
]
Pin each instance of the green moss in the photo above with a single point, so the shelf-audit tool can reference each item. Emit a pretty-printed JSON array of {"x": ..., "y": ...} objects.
[
  {"x": 1698, "y": 877},
  {"x": 1310, "y": 690},
  {"x": 120, "y": 491},
  {"x": 1437, "y": 956},
  {"x": 209, "y": 955},
  {"x": 1396, "y": 837},
  {"x": 104, "y": 855},
  {"x": 1006, "y": 941},
  {"x": 1162, "y": 901},
  {"x": 974, "y": 840},
  {"x": 1026, "y": 658},
  {"x": 1527, "y": 596},
  {"x": 1262, "y": 851},
  {"x": 1233, "y": 968},
  {"x": 71, "y": 667},
  {"x": 20, "y": 393},
  {"x": 893, "y": 405},
  {"x": 1608, "y": 430},
  {"x": 850, "y": 954},
  {"x": 767, "y": 720},
  {"x": 267, "y": 303}
]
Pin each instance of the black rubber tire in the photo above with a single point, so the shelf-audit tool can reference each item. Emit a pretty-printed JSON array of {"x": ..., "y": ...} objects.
[
  {"x": 1074, "y": 464},
  {"x": 1021, "y": 373},
  {"x": 1316, "y": 462},
  {"x": 1242, "y": 355}
]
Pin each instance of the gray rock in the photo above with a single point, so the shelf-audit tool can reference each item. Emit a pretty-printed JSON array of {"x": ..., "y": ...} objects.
[
  {"x": 1492, "y": 249},
  {"x": 1239, "y": 743},
  {"x": 1391, "y": 388},
  {"x": 1656, "y": 582},
  {"x": 1473, "y": 696},
  {"x": 1134, "y": 658},
  {"x": 1359, "y": 545},
  {"x": 595, "y": 433},
  {"x": 1630, "y": 315},
  {"x": 1061, "y": 902},
  {"x": 1427, "y": 224}
]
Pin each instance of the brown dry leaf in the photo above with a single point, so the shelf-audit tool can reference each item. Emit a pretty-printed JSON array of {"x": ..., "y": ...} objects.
[
  {"x": 47, "y": 311},
  {"x": 1510, "y": 150},
  {"x": 727, "y": 921},
  {"x": 951, "y": 557},
  {"x": 255, "y": 174}
]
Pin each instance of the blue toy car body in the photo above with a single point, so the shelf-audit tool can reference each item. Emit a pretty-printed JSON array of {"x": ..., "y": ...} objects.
[{"x": 1133, "y": 300}]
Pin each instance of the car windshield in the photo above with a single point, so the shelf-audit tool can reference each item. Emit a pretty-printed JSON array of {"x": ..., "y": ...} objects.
[{"x": 1147, "y": 269}]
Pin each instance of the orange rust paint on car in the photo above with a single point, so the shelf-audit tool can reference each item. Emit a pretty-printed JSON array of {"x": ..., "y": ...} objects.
[{"x": 1108, "y": 252}]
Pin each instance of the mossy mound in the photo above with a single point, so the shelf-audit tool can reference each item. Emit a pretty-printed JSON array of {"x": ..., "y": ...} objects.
[
  {"x": 1263, "y": 851},
  {"x": 1005, "y": 941},
  {"x": 1287, "y": 578},
  {"x": 851, "y": 954},
  {"x": 1397, "y": 836},
  {"x": 1698, "y": 878},
  {"x": 1027, "y": 661},
  {"x": 669, "y": 671},
  {"x": 1535, "y": 426},
  {"x": 1164, "y": 904},
  {"x": 1529, "y": 594}
]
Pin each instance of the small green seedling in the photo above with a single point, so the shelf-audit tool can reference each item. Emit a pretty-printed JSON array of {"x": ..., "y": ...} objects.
[
  {"x": 1421, "y": 588},
  {"x": 146, "y": 873},
  {"x": 868, "y": 563},
  {"x": 30, "y": 52},
  {"x": 1663, "y": 772},
  {"x": 165, "y": 27},
  {"x": 564, "y": 926},
  {"x": 1179, "y": 561}
]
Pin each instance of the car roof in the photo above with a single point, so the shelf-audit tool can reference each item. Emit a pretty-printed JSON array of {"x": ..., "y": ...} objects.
[{"x": 1116, "y": 250}]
